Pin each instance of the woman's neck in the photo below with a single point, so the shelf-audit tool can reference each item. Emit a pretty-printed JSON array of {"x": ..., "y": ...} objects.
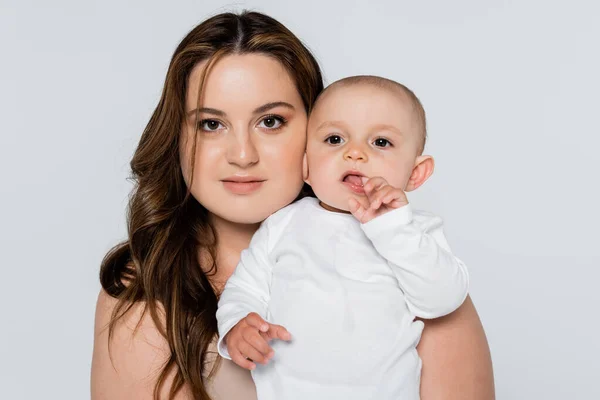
[{"x": 232, "y": 238}]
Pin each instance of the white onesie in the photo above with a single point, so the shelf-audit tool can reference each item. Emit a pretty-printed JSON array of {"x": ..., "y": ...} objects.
[{"x": 348, "y": 293}]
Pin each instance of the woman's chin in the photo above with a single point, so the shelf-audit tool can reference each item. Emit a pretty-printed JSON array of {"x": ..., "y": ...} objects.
[
  {"x": 244, "y": 217},
  {"x": 250, "y": 208},
  {"x": 246, "y": 212}
]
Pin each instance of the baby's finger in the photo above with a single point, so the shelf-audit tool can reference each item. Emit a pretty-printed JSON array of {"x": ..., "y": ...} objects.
[
  {"x": 394, "y": 195},
  {"x": 279, "y": 332},
  {"x": 379, "y": 195},
  {"x": 356, "y": 209},
  {"x": 370, "y": 184},
  {"x": 361, "y": 212},
  {"x": 398, "y": 203},
  {"x": 253, "y": 354},
  {"x": 265, "y": 336},
  {"x": 255, "y": 340},
  {"x": 240, "y": 360},
  {"x": 255, "y": 321}
]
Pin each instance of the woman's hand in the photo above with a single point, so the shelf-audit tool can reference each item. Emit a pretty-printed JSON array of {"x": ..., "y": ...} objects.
[
  {"x": 380, "y": 198},
  {"x": 248, "y": 341}
]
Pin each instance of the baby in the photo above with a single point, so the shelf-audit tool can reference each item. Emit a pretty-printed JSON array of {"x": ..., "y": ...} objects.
[{"x": 347, "y": 272}]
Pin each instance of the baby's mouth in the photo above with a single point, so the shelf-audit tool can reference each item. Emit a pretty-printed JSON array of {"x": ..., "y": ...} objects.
[{"x": 353, "y": 179}]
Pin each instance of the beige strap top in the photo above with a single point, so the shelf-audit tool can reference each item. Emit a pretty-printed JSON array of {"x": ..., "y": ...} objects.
[{"x": 230, "y": 382}]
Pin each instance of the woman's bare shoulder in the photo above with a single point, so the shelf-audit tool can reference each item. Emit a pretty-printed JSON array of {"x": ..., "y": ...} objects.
[{"x": 136, "y": 358}]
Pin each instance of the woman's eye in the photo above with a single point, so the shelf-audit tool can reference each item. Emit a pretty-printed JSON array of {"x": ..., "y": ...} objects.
[
  {"x": 210, "y": 125},
  {"x": 271, "y": 122},
  {"x": 334, "y": 139},
  {"x": 381, "y": 142}
]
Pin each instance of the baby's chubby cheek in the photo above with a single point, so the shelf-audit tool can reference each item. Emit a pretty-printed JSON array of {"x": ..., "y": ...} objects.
[{"x": 395, "y": 172}]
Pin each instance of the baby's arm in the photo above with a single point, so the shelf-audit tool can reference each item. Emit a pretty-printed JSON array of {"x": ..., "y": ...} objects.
[
  {"x": 241, "y": 316},
  {"x": 434, "y": 281}
]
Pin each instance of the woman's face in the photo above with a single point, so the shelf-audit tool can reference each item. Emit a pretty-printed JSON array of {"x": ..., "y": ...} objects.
[{"x": 250, "y": 138}]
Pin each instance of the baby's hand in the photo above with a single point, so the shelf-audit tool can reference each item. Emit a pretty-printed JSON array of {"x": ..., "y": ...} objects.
[
  {"x": 247, "y": 341},
  {"x": 380, "y": 198}
]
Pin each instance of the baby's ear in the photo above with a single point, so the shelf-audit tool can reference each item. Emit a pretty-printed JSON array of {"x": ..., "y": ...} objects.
[
  {"x": 422, "y": 170},
  {"x": 305, "y": 170}
]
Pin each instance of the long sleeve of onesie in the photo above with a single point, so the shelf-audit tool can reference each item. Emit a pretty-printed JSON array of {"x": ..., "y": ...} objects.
[
  {"x": 248, "y": 288},
  {"x": 434, "y": 281}
]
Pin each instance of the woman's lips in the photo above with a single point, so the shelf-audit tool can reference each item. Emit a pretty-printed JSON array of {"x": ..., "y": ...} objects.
[{"x": 242, "y": 186}]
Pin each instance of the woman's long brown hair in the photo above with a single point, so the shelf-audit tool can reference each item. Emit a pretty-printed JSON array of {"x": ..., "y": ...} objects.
[{"x": 158, "y": 265}]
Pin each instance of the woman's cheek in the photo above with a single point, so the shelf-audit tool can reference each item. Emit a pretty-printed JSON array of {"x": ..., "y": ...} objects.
[{"x": 285, "y": 154}]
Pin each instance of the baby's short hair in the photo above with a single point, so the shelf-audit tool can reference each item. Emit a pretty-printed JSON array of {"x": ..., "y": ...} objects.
[{"x": 384, "y": 83}]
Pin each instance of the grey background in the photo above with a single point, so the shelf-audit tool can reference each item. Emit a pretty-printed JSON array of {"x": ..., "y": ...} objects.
[{"x": 511, "y": 91}]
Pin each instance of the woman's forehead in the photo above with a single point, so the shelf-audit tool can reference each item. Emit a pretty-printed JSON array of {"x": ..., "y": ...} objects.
[{"x": 242, "y": 81}]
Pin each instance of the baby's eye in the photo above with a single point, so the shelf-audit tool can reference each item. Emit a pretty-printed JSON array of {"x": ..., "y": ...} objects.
[
  {"x": 334, "y": 139},
  {"x": 271, "y": 122},
  {"x": 381, "y": 142},
  {"x": 210, "y": 125}
]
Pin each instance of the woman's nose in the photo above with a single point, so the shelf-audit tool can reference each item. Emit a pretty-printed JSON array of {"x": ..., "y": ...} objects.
[{"x": 242, "y": 150}]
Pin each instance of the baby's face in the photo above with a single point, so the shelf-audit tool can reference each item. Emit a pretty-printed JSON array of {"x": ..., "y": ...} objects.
[{"x": 357, "y": 131}]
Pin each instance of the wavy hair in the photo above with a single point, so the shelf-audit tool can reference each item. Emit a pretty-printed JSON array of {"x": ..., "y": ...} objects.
[{"x": 158, "y": 264}]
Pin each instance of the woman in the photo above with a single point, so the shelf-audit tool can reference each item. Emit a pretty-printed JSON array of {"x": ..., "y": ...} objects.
[{"x": 222, "y": 151}]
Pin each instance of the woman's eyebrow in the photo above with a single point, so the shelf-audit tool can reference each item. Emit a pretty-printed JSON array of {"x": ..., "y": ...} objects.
[
  {"x": 259, "y": 110},
  {"x": 268, "y": 106},
  {"x": 207, "y": 110}
]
